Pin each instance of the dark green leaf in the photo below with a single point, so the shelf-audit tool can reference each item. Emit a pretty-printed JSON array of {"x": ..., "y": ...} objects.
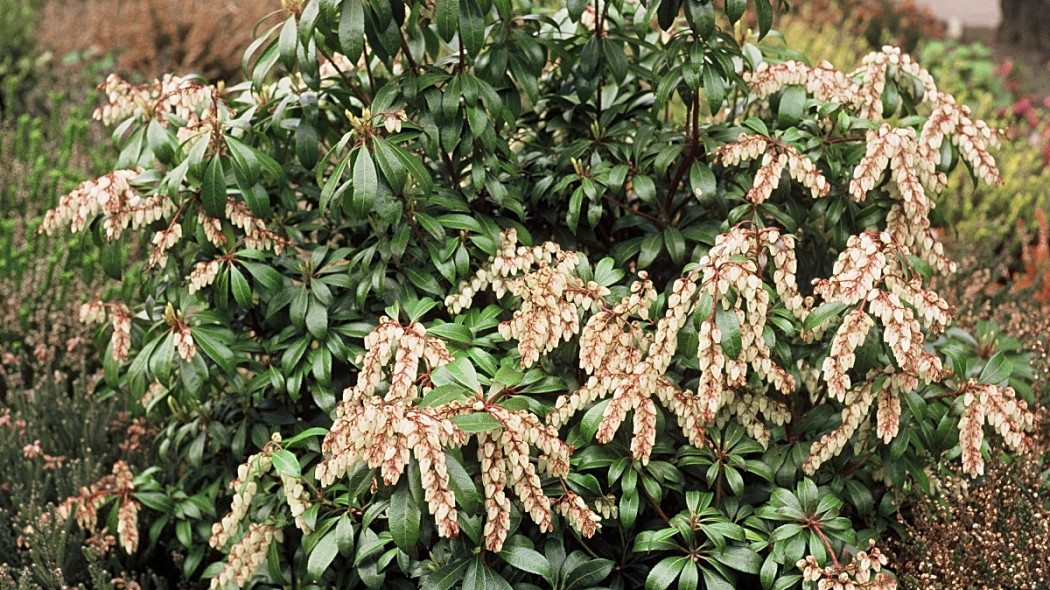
[
  {"x": 445, "y": 577},
  {"x": 212, "y": 345},
  {"x": 322, "y": 555},
  {"x": 242, "y": 293},
  {"x": 765, "y": 17},
  {"x": 481, "y": 422},
  {"x": 996, "y": 370},
  {"x": 352, "y": 29},
  {"x": 317, "y": 318},
  {"x": 528, "y": 560},
  {"x": 288, "y": 43},
  {"x": 366, "y": 183},
  {"x": 446, "y": 14},
  {"x": 735, "y": 9},
  {"x": 471, "y": 27},
  {"x": 404, "y": 515},
  {"x": 714, "y": 88},
  {"x": 822, "y": 314},
  {"x": 729, "y": 324},
  {"x": 213, "y": 189},
  {"x": 792, "y": 103},
  {"x": 664, "y": 573},
  {"x": 589, "y": 573}
]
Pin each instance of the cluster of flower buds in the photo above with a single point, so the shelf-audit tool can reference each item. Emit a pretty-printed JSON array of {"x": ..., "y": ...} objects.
[
  {"x": 86, "y": 504},
  {"x": 172, "y": 95},
  {"x": 298, "y": 499},
  {"x": 246, "y": 556},
  {"x": 775, "y": 156},
  {"x": 406, "y": 346},
  {"x": 386, "y": 435},
  {"x": 823, "y": 82},
  {"x": 863, "y": 573},
  {"x": 203, "y": 274},
  {"x": 256, "y": 235},
  {"x": 120, "y": 342},
  {"x": 512, "y": 260},
  {"x": 110, "y": 195},
  {"x": 505, "y": 463},
  {"x": 244, "y": 489},
  {"x": 629, "y": 364},
  {"x": 858, "y": 403},
  {"x": 580, "y": 516},
  {"x": 550, "y": 301},
  {"x": 997, "y": 406}
]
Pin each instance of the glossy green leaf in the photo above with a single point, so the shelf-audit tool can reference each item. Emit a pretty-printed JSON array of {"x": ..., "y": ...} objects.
[
  {"x": 213, "y": 189},
  {"x": 997, "y": 369},
  {"x": 735, "y": 9},
  {"x": 528, "y": 560},
  {"x": 404, "y": 515},
  {"x": 352, "y": 29},
  {"x": 322, "y": 555},
  {"x": 366, "y": 183},
  {"x": 764, "y": 11},
  {"x": 481, "y": 422},
  {"x": 822, "y": 314},
  {"x": 446, "y": 15},
  {"x": 664, "y": 573},
  {"x": 471, "y": 27},
  {"x": 285, "y": 462}
]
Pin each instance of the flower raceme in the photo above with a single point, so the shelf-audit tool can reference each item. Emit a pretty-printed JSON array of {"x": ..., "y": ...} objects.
[{"x": 387, "y": 432}]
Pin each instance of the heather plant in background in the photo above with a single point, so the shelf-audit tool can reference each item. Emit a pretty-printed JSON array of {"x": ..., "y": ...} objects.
[{"x": 494, "y": 294}]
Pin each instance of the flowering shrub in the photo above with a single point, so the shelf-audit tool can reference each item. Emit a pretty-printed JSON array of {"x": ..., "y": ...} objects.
[{"x": 623, "y": 221}]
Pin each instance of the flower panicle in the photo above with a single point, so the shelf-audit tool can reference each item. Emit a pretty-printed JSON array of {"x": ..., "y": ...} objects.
[
  {"x": 247, "y": 556},
  {"x": 864, "y": 572},
  {"x": 244, "y": 489},
  {"x": 85, "y": 505},
  {"x": 386, "y": 434},
  {"x": 775, "y": 157},
  {"x": 407, "y": 346},
  {"x": 858, "y": 402},
  {"x": 997, "y": 406},
  {"x": 510, "y": 261}
]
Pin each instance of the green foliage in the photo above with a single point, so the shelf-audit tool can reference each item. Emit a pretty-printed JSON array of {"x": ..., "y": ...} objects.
[
  {"x": 17, "y": 49},
  {"x": 386, "y": 156}
]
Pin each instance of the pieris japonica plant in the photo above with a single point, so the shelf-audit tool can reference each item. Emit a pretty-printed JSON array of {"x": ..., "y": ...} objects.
[{"x": 506, "y": 294}]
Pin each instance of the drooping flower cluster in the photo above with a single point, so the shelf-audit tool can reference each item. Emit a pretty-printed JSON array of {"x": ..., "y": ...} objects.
[
  {"x": 113, "y": 197},
  {"x": 85, "y": 506},
  {"x": 172, "y": 95},
  {"x": 775, "y": 156},
  {"x": 244, "y": 489},
  {"x": 872, "y": 277},
  {"x": 863, "y": 573},
  {"x": 386, "y": 435},
  {"x": 504, "y": 458},
  {"x": 997, "y": 406},
  {"x": 912, "y": 157},
  {"x": 552, "y": 295},
  {"x": 387, "y": 432},
  {"x": 628, "y": 363},
  {"x": 247, "y": 556}
]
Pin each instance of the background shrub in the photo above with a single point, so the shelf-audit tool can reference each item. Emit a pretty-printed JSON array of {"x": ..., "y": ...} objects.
[{"x": 17, "y": 49}]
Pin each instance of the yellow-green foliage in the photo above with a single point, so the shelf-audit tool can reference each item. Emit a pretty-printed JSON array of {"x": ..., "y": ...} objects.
[
  {"x": 818, "y": 39},
  {"x": 985, "y": 213}
]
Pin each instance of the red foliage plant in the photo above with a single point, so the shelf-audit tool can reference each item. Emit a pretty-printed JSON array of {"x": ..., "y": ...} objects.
[{"x": 1036, "y": 259}]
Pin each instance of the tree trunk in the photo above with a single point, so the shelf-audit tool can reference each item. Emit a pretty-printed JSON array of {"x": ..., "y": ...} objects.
[{"x": 1026, "y": 23}]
